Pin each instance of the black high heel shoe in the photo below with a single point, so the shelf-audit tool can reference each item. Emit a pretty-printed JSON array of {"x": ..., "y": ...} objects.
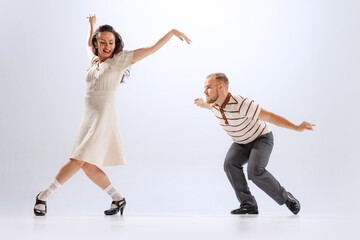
[
  {"x": 39, "y": 212},
  {"x": 120, "y": 207}
]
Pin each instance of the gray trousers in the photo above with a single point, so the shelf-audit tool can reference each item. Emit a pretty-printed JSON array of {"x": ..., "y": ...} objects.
[{"x": 256, "y": 154}]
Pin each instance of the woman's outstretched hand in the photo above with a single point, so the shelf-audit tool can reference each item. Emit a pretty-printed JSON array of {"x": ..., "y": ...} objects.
[
  {"x": 142, "y": 53},
  {"x": 92, "y": 19},
  {"x": 181, "y": 35}
]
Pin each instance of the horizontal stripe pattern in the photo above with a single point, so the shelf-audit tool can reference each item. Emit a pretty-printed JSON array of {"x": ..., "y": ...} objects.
[{"x": 239, "y": 118}]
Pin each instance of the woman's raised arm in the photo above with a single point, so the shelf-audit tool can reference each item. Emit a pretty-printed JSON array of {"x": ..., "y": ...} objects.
[
  {"x": 92, "y": 21},
  {"x": 142, "y": 53}
]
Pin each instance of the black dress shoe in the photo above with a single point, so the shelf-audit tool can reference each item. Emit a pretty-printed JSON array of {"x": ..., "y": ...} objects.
[
  {"x": 120, "y": 207},
  {"x": 39, "y": 212},
  {"x": 293, "y": 204},
  {"x": 246, "y": 209}
]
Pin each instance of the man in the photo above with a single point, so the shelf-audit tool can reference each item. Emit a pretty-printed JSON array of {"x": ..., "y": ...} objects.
[{"x": 246, "y": 123}]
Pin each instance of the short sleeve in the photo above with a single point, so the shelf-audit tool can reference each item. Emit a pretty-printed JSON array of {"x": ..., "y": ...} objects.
[
  {"x": 249, "y": 108},
  {"x": 123, "y": 59}
]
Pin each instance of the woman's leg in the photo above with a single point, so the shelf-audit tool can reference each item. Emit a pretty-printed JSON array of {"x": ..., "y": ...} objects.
[
  {"x": 96, "y": 175},
  {"x": 68, "y": 170},
  {"x": 99, "y": 178},
  {"x": 65, "y": 173}
]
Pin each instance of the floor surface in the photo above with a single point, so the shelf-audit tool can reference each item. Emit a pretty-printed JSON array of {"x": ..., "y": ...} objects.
[{"x": 170, "y": 227}]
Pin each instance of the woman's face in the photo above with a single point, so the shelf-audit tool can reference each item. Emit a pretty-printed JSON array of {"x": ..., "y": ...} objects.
[{"x": 105, "y": 45}]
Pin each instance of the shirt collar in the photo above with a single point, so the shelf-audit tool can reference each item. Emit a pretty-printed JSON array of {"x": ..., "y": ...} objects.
[{"x": 226, "y": 101}]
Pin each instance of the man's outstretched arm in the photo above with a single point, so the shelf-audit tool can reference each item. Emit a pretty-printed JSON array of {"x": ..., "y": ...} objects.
[
  {"x": 282, "y": 122},
  {"x": 200, "y": 102}
]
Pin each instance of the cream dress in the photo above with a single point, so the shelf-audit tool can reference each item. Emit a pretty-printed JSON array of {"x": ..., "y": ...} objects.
[{"x": 98, "y": 140}]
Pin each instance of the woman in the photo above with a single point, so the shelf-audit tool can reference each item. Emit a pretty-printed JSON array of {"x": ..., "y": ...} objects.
[{"x": 98, "y": 140}]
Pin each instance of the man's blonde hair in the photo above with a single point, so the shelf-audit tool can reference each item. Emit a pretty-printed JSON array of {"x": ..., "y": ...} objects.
[{"x": 220, "y": 77}]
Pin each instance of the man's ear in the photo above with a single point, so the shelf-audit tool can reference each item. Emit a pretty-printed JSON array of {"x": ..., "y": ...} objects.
[{"x": 221, "y": 86}]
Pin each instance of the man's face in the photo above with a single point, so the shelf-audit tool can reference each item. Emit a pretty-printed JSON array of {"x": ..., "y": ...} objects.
[{"x": 211, "y": 90}]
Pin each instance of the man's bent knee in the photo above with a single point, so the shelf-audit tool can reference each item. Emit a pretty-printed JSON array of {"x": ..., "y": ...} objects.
[
  {"x": 229, "y": 164},
  {"x": 255, "y": 172}
]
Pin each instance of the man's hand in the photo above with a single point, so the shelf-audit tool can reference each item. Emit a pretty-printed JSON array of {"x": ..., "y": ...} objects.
[
  {"x": 200, "y": 102},
  {"x": 304, "y": 126},
  {"x": 282, "y": 122}
]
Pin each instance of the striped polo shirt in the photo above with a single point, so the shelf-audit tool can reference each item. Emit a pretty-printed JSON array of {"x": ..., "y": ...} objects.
[{"x": 239, "y": 118}]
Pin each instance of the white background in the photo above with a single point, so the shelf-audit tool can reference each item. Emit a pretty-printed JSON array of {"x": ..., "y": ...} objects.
[{"x": 299, "y": 59}]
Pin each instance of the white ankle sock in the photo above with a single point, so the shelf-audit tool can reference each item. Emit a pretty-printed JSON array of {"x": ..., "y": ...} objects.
[
  {"x": 113, "y": 193},
  {"x": 46, "y": 193}
]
